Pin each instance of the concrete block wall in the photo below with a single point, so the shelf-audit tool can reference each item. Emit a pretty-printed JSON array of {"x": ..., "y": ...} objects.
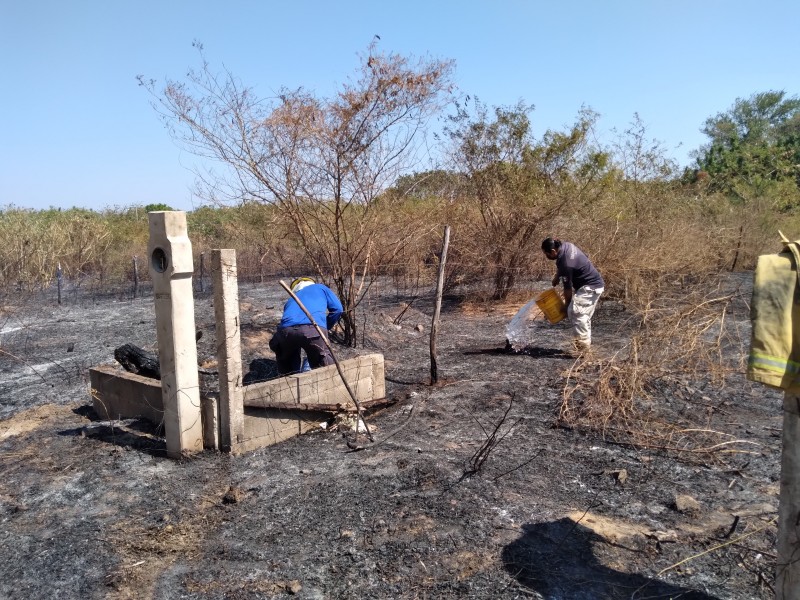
[
  {"x": 268, "y": 414},
  {"x": 364, "y": 374}
]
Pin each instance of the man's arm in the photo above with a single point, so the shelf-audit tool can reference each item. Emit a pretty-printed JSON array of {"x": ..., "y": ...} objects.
[{"x": 566, "y": 277}]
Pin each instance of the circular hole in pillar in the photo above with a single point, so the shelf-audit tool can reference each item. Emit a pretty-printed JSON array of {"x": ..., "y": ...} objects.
[{"x": 159, "y": 260}]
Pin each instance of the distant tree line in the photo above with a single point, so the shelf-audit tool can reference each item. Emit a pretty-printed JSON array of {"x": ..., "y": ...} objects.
[{"x": 753, "y": 151}]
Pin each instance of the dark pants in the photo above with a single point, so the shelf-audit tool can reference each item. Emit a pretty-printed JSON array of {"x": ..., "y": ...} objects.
[{"x": 287, "y": 343}]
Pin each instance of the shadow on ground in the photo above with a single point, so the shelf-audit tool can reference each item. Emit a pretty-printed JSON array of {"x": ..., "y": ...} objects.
[
  {"x": 533, "y": 351},
  {"x": 556, "y": 560},
  {"x": 135, "y": 433},
  {"x": 261, "y": 369}
]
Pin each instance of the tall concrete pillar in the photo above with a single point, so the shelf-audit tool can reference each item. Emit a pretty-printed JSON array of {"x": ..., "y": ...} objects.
[
  {"x": 229, "y": 348},
  {"x": 787, "y": 580},
  {"x": 171, "y": 268}
]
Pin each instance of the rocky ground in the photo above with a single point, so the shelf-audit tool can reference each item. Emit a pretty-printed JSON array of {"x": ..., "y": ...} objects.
[{"x": 469, "y": 491}]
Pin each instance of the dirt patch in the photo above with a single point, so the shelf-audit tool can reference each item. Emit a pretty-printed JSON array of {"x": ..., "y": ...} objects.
[
  {"x": 25, "y": 422},
  {"x": 94, "y": 509}
]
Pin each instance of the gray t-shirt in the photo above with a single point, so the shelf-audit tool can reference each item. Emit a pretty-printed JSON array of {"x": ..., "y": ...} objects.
[{"x": 575, "y": 269}]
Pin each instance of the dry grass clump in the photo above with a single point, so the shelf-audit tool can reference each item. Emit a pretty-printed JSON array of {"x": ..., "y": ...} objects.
[
  {"x": 667, "y": 257},
  {"x": 649, "y": 394}
]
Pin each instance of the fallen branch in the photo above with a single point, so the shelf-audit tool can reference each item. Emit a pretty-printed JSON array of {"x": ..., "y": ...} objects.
[
  {"x": 492, "y": 440},
  {"x": 709, "y": 450},
  {"x": 326, "y": 407},
  {"x": 395, "y": 431},
  {"x": 519, "y": 466},
  {"x": 717, "y": 547}
]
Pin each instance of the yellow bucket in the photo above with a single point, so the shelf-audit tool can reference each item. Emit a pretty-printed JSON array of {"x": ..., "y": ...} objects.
[{"x": 552, "y": 305}]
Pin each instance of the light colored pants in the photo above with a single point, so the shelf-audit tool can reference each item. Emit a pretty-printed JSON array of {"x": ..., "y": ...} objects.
[{"x": 580, "y": 311}]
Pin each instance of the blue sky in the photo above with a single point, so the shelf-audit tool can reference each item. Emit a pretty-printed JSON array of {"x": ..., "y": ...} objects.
[{"x": 76, "y": 130}]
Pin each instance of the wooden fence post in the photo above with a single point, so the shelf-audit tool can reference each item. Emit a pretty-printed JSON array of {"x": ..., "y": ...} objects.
[
  {"x": 135, "y": 277},
  {"x": 787, "y": 577},
  {"x": 437, "y": 310},
  {"x": 59, "y": 276},
  {"x": 202, "y": 268}
]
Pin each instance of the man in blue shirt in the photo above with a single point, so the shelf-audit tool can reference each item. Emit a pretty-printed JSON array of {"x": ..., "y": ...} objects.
[
  {"x": 582, "y": 287},
  {"x": 295, "y": 332}
]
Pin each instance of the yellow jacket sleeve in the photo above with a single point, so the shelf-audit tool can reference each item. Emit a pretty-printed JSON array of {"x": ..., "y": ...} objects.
[{"x": 775, "y": 318}]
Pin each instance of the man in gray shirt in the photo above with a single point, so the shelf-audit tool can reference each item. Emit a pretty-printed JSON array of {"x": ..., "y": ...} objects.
[{"x": 582, "y": 287}]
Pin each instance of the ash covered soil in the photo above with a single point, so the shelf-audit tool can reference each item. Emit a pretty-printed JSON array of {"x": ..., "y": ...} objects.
[{"x": 95, "y": 509}]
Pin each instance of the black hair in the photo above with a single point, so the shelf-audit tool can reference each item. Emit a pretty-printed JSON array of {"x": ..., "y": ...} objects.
[{"x": 551, "y": 244}]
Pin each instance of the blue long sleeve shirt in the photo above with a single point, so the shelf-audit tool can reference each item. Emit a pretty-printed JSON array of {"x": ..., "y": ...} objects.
[{"x": 319, "y": 300}]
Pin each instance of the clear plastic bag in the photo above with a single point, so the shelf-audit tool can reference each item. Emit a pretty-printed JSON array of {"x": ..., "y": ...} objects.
[{"x": 518, "y": 329}]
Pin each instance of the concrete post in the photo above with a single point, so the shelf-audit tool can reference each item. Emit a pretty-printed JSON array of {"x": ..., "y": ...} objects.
[
  {"x": 229, "y": 348},
  {"x": 171, "y": 268},
  {"x": 787, "y": 580}
]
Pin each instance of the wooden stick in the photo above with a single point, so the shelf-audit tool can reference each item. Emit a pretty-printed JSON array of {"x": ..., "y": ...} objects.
[
  {"x": 439, "y": 288},
  {"x": 335, "y": 360},
  {"x": 135, "y": 277},
  {"x": 377, "y": 403},
  {"x": 58, "y": 279},
  {"x": 717, "y": 547}
]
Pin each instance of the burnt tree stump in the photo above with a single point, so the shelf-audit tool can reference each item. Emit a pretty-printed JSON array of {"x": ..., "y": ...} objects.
[{"x": 139, "y": 361}]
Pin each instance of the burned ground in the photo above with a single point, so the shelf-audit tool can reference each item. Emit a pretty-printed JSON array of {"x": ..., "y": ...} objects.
[{"x": 470, "y": 489}]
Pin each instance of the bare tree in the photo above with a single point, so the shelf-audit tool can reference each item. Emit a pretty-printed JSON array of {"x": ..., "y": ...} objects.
[
  {"x": 325, "y": 162},
  {"x": 519, "y": 183}
]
